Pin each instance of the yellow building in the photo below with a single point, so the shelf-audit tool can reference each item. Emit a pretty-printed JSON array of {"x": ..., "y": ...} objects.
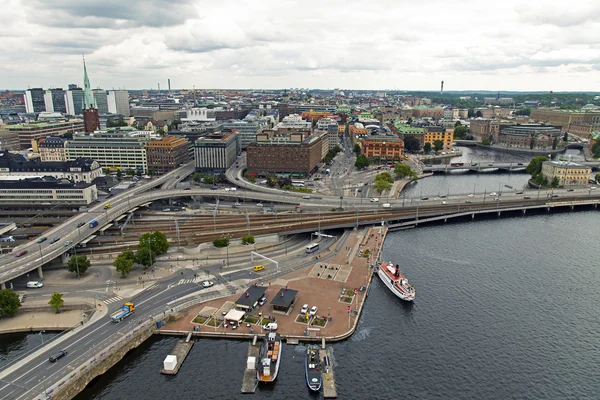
[
  {"x": 341, "y": 129},
  {"x": 568, "y": 173},
  {"x": 433, "y": 133}
]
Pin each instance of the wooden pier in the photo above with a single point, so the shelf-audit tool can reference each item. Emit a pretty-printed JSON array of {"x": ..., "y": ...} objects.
[
  {"x": 249, "y": 381},
  {"x": 329, "y": 388},
  {"x": 181, "y": 350}
]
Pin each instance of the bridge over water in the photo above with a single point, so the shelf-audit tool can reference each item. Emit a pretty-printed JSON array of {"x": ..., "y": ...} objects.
[{"x": 490, "y": 167}]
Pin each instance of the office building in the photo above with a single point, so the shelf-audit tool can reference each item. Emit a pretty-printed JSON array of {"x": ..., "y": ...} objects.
[
  {"x": 113, "y": 150},
  {"x": 52, "y": 149},
  {"x": 568, "y": 173},
  {"x": 101, "y": 100},
  {"x": 484, "y": 128},
  {"x": 80, "y": 170},
  {"x": 388, "y": 148},
  {"x": 216, "y": 152},
  {"x": 74, "y": 99},
  {"x": 404, "y": 131},
  {"x": 294, "y": 154},
  {"x": 435, "y": 133},
  {"x": 34, "y": 100},
  {"x": 55, "y": 101},
  {"x": 331, "y": 126},
  {"x": 9, "y": 141},
  {"x": 37, "y": 130},
  {"x": 118, "y": 102},
  {"x": 167, "y": 154},
  {"x": 247, "y": 129},
  {"x": 528, "y": 136},
  {"x": 37, "y": 191}
]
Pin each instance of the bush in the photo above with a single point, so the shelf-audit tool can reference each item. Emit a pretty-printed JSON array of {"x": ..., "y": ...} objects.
[
  {"x": 248, "y": 239},
  {"x": 221, "y": 242}
]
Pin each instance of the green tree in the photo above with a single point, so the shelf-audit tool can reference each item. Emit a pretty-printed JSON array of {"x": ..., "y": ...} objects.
[
  {"x": 597, "y": 178},
  {"x": 124, "y": 263},
  {"x": 460, "y": 131},
  {"x": 532, "y": 142},
  {"x": 145, "y": 256},
  {"x": 362, "y": 161},
  {"x": 155, "y": 241},
  {"x": 385, "y": 176},
  {"x": 284, "y": 181},
  {"x": 486, "y": 142},
  {"x": 554, "y": 143},
  {"x": 79, "y": 263},
  {"x": 411, "y": 144},
  {"x": 9, "y": 302},
  {"x": 271, "y": 181},
  {"x": 119, "y": 173},
  {"x": 438, "y": 145},
  {"x": 175, "y": 124},
  {"x": 357, "y": 150},
  {"x": 56, "y": 301},
  {"x": 197, "y": 177},
  {"x": 129, "y": 172},
  {"x": 523, "y": 111},
  {"x": 427, "y": 147},
  {"x": 151, "y": 171},
  {"x": 535, "y": 165},
  {"x": 566, "y": 137},
  {"x": 210, "y": 180},
  {"x": 221, "y": 242},
  {"x": 555, "y": 182},
  {"x": 403, "y": 170},
  {"x": 382, "y": 185}
]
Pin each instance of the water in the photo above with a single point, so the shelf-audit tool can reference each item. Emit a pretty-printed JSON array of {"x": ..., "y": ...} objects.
[
  {"x": 15, "y": 345},
  {"x": 505, "y": 308},
  {"x": 461, "y": 182}
]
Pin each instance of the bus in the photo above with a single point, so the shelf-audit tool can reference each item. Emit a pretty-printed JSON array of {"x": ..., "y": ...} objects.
[
  {"x": 298, "y": 182},
  {"x": 311, "y": 248}
]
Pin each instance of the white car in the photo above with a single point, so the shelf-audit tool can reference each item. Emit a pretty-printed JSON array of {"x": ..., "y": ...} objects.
[
  {"x": 493, "y": 194},
  {"x": 207, "y": 284},
  {"x": 444, "y": 202},
  {"x": 313, "y": 311},
  {"x": 304, "y": 309},
  {"x": 470, "y": 195},
  {"x": 68, "y": 243},
  {"x": 262, "y": 301},
  {"x": 374, "y": 200},
  {"x": 34, "y": 284},
  {"x": 259, "y": 205}
]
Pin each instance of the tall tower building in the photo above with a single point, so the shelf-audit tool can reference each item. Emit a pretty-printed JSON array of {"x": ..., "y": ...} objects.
[
  {"x": 35, "y": 100},
  {"x": 91, "y": 121},
  {"x": 118, "y": 102},
  {"x": 55, "y": 100}
]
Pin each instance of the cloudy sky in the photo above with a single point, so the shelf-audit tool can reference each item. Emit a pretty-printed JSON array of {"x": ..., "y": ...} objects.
[{"x": 375, "y": 44}]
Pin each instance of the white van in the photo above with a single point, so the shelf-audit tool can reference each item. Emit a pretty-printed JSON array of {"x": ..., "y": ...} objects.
[
  {"x": 306, "y": 197},
  {"x": 34, "y": 284},
  {"x": 386, "y": 205}
]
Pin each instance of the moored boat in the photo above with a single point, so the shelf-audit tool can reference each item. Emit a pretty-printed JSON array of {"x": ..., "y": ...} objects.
[
  {"x": 269, "y": 357},
  {"x": 395, "y": 281},
  {"x": 312, "y": 366}
]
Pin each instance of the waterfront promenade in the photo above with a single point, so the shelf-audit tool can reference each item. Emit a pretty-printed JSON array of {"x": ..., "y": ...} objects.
[{"x": 336, "y": 282}]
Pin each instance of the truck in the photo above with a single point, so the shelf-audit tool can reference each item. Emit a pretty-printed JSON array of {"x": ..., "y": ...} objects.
[
  {"x": 125, "y": 311},
  {"x": 93, "y": 223}
]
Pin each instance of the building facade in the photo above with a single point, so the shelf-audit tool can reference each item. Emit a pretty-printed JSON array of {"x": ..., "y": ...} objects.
[
  {"x": 331, "y": 126},
  {"x": 33, "y": 131},
  {"x": 484, "y": 128},
  {"x": 167, "y": 154},
  {"x": 113, "y": 150},
  {"x": 55, "y": 100},
  {"x": 52, "y": 149},
  {"x": 568, "y": 173},
  {"x": 9, "y": 140},
  {"x": 80, "y": 170},
  {"x": 74, "y": 99},
  {"x": 246, "y": 129},
  {"x": 383, "y": 148},
  {"x": 435, "y": 133},
  {"x": 34, "y": 100},
  {"x": 528, "y": 136},
  {"x": 216, "y": 152},
  {"x": 43, "y": 192},
  {"x": 284, "y": 154},
  {"x": 101, "y": 100},
  {"x": 572, "y": 121},
  {"x": 118, "y": 102},
  {"x": 427, "y": 112}
]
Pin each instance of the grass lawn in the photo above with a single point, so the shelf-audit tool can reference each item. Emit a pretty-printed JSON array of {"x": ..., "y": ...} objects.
[
  {"x": 251, "y": 320},
  {"x": 346, "y": 299},
  {"x": 301, "y": 319},
  {"x": 347, "y": 292},
  {"x": 213, "y": 322},
  {"x": 199, "y": 320},
  {"x": 266, "y": 321}
]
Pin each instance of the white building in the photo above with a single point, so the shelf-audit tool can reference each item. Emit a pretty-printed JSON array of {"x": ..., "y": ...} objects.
[
  {"x": 331, "y": 126},
  {"x": 118, "y": 102},
  {"x": 114, "y": 150},
  {"x": 74, "y": 99},
  {"x": 216, "y": 152},
  {"x": 294, "y": 121},
  {"x": 201, "y": 114},
  {"x": 43, "y": 192},
  {"x": 451, "y": 113}
]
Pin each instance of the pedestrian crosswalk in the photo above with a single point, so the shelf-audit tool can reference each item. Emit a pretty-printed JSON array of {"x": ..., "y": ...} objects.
[
  {"x": 193, "y": 280},
  {"x": 112, "y": 300}
]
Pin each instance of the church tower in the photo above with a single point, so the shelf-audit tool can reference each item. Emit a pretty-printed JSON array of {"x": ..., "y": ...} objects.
[{"x": 91, "y": 121}]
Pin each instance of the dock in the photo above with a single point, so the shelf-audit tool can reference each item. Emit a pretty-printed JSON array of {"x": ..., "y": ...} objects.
[
  {"x": 249, "y": 382},
  {"x": 329, "y": 388},
  {"x": 181, "y": 350}
]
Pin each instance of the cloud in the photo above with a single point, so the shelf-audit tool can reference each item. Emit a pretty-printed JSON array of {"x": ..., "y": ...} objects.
[{"x": 112, "y": 14}]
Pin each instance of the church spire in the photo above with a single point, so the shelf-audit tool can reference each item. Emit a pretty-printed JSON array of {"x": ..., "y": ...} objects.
[{"x": 88, "y": 96}]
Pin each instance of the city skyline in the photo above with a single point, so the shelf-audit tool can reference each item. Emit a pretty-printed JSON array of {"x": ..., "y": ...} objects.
[{"x": 508, "y": 46}]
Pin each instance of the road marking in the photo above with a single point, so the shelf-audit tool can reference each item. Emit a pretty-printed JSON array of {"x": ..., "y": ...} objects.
[
  {"x": 112, "y": 299},
  {"x": 150, "y": 298}
]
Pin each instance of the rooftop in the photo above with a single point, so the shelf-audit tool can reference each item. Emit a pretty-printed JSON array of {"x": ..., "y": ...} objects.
[
  {"x": 284, "y": 297},
  {"x": 250, "y": 296}
]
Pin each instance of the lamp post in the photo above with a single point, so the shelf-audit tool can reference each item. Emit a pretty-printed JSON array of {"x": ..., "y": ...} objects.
[{"x": 42, "y": 336}]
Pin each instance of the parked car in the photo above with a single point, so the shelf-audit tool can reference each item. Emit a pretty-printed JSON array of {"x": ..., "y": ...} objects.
[
  {"x": 35, "y": 284},
  {"x": 313, "y": 311},
  {"x": 57, "y": 356},
  {"x": 262, "y": 301},
  {"x": 207, "y": 284},
  {"x": 304, "y": 309}
]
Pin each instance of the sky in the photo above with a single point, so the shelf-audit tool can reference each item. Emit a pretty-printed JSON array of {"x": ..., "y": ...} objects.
[{"x": 276, "y": 44}]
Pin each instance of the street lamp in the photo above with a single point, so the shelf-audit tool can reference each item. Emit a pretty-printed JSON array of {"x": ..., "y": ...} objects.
[{"x": 42, "y": 336}]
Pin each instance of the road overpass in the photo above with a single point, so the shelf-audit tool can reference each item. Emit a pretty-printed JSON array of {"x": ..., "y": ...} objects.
[{"x": 490, "y": 167}]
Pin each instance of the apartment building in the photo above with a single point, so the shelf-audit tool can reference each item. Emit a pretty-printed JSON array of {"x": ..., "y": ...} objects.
[
  {"x": 434, "y": 133},
  {"x": 568, "y": 173},
  {"x": 383, "y": 147},
  {"x": 216, "y": 152},
  {"x": 52, "y": 149},
  {"x": 167, "y": 154}
]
